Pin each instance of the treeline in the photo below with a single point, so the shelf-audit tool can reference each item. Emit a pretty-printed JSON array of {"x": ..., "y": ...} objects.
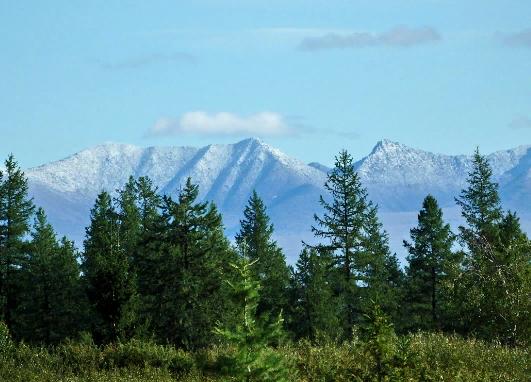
[{"x": 157, "y": 269}]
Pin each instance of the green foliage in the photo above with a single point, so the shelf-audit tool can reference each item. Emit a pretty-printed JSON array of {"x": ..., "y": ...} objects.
[
  {"x": 380, "y": 339},
  {"x": 110, "y": 285},
  {"x": 430, "y": 263},
  {"x": 192, "y": 256},
  {"x": 15, "y": 214},
  {"x": 272, "y": 270},
  {"x": 312, "y": 308},
  {"x": 253, "y": 360},
  {"x": 51, "y": 299}
]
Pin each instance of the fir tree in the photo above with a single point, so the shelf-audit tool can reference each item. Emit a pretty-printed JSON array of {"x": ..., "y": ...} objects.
[
  {"x": 312, "y": 306},
  {"x": 378, "y": 268},
  {"x": 489, "y": 290},
  {"x": 52, "y": 300},
  {"x": 253, "y": 360},
  {"x": 430, "y": 261},
  {"x": 193, "y": 248},
  {"x": 480, "y": 203},
  {"x": 272, "y": 270},
  {"x": 16, "y": 211},
  {"x": 111, "y": 286},
  {"x": 343, "y": 225}
]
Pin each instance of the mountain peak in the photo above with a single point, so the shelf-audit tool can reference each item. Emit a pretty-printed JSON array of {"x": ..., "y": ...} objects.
[{"x": 385, "y": 144}]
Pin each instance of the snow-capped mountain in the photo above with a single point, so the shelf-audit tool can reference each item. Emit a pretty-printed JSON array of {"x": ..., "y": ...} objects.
[{"x": 397, "y": 177}]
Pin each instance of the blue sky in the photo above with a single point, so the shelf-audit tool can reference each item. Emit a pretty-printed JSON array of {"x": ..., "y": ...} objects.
[{"x": 307, "y": 77}]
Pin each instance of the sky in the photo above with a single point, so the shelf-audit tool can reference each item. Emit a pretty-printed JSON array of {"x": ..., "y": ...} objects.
[{"x": 307, "y": 77}]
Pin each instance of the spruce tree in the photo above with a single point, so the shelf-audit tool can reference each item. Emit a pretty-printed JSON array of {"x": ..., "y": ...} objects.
[
  {"x": 272, "y": 269},
  {"x": 110, "y": 284},
  {"x": 313, "y": 308},
  {"x": 16, "y": 211},
  {"x": 430, "y": 261},
  {"x": 378, "y": 268},
  {"x": 490, "y": 289},
  {"x": 253, "y": 360},
  {"x": 52, "y": 300},
  {"x": 343, "y": 224},
  {"x": 194, "y": 250}
]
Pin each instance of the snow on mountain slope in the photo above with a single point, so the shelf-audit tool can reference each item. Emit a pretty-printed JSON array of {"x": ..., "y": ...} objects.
[{"x": 397, "y": 177}]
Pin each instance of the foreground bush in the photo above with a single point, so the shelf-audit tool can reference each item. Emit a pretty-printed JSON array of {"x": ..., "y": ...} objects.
[{"x": 418, "y": 357}]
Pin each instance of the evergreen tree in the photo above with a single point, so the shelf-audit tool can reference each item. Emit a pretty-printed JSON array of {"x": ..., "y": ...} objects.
[
  {"x": 52, "y": 300},
  {"x": 272, "y": 270},
  {"x": 16, "y": 211},
  {"x": 379, "y": 270},
  {"x": 253, "y": 360},
  {"x": 480, "y": 203},
  {"x": 430, "y": 261},
  {"x": 343, "y": 225},
  {"x": 148, "y": 251},
  {"x": 193, "y": 248},
  {"x": 490, "y": 289},
  {"x": 312, "y": 305},
  {"x": 110, "y": 284}
]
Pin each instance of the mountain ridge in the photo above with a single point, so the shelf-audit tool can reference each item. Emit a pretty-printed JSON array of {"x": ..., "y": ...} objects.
[{"x": 397, "y": 178}]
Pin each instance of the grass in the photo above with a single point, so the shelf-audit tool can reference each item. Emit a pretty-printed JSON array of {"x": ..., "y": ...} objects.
[{"x": 417, "y": 357}]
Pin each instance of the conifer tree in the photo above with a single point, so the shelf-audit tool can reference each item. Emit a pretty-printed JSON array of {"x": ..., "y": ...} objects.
[
  {"x": 272, "y": 269},
  {"x": 253, "y": 360},
  {"x": 191, "y": 296},
  {"x": 430, "y": 262},
  {"x": 480, "y": 203},
  {"x": 110, "y": 284},
  {"x": 52, "y": 300},
  {"x": 16, "y": 211},
  {"x": 147, "y": 253},
  {"x": 312, "y": 306},
  {"x": 378, "y": 268},
  {"x": 489, "y": 291},
  {"x": 343, "y": 224}
]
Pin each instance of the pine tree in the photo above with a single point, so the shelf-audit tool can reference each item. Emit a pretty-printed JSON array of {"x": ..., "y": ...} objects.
[
  {"x": 343, "y": 224},
  {"x": 253, "y": 360},
  {"x": 191, "y": 296},
  {"x": 313, "y": 308},
  {"x": 52, "y": 300},
  {"x": 272, "y": 269},
  {"x": 110, "y": 284},
  {"x": 16, "y": 211},
  {"x": 430, "y": 261}
]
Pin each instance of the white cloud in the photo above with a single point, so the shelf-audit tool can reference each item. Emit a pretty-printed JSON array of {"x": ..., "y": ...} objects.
[
  {"x": 522, "y": 122},
  {"x": 227, "y": 124},
  {"x": 398, "y": 36}
]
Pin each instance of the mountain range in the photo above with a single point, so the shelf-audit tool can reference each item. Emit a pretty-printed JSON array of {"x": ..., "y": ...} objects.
[{"x": 397, "y": 177}]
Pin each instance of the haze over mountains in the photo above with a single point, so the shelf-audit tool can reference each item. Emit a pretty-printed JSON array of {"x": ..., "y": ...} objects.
[{"x": 397, "y": 177}]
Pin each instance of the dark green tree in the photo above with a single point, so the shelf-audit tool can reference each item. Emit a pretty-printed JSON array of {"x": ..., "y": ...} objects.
[
  {"x": 379, "y": 269},
  {"x": 480, "y": 204},
  {"x": 312, "y": 308},
  {"x": 343, "y": 224},
  {"x": 489, "y": 290},
  {"x": 430, "y": 262},
  {"x": 16, "y": 211},
  {"x": 193, "y": 252},
  {"x": 52, "y": 300},
  {"x": 272, "y": 270},
  {"x": 110, "y": 284}
]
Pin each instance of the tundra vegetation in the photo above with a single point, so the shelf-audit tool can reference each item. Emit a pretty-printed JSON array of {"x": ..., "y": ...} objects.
[{"x": 159, "y": 293}]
